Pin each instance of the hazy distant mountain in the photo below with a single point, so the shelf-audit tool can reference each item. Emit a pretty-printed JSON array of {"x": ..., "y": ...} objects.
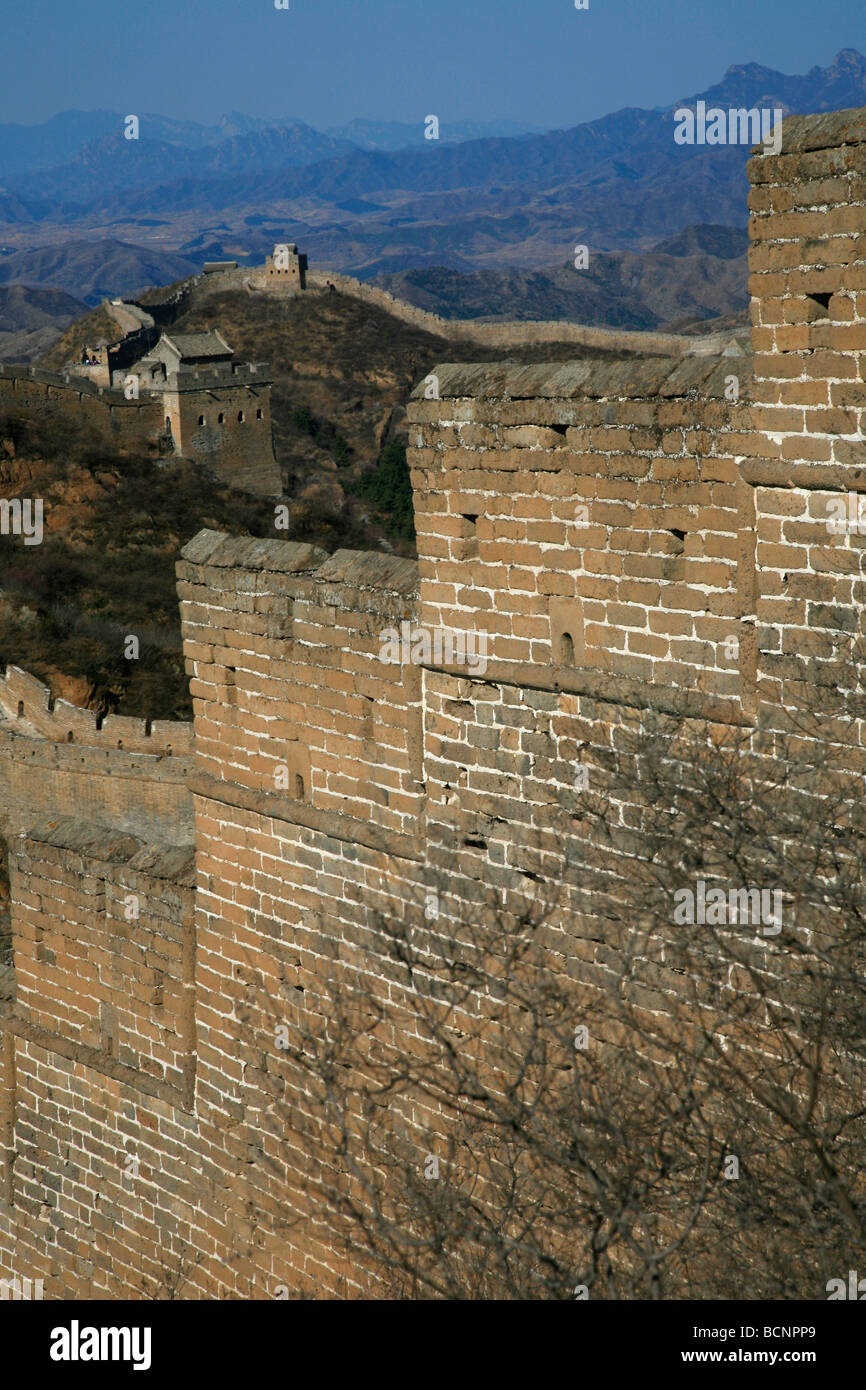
[
  {"x": 728, "y": 243},
  {"x": 28, "y": 148},
  {"x": 396, "y": 135},
  {"x": 50, "y": 144},
  {"x": 834, "y": 88},
  {"x": 32, "y": 320},
  {"x": 22, "y": 306},
  {"x": 14, "y": 209},
  {"x": 614, "y": 183},
  {"x": 504, "y": 202},
  {"x": 95, "y": 270},
  {"x": 113, "y": 164}
]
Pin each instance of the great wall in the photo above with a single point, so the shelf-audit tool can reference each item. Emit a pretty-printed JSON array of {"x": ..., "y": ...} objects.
[
  {"x": 630, "y": 536},
  {"x": 221, "y": 417}
]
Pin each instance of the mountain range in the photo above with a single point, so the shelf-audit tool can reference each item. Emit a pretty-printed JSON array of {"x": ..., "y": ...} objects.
[{"x": 379, "y": 201}]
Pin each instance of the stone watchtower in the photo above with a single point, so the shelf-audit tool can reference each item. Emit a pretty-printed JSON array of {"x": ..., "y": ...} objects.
[
  {"x": 286, "y": 268},
  {"x": 215, "y": 410}
]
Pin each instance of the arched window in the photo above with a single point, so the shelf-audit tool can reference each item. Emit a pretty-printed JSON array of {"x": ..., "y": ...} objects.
[
  {"x": 20, "y": 709},
  {"x": 298, "y": 786},
  {"x": 566, "y": 650},
  {"x": 240, "y": 417},
  {"x": 259, "y": 413},
  {"x": 221, "y": 419},
  {"x": 201, "y": 419}
]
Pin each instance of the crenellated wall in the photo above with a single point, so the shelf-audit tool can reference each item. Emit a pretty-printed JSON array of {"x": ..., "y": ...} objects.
[
  {"x": 627, "y": 538},
  {"x": 57, "y": 759},
  {"x": 589, "y": 516},
  {"x": 236, "y": 441},
  {"x": 41, "y": 394}
]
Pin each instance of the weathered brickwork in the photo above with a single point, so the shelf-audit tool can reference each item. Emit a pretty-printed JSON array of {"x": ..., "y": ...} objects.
[
  {"x": 588, "y": 516},
  {"x": 56, "y": 759},
  {"x": 628, "y": 540}
]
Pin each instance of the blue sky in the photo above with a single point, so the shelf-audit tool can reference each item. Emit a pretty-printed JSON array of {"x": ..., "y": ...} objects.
[{"x": 325, "y": 61}]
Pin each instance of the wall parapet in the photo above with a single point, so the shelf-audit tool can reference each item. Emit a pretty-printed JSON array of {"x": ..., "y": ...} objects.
[
  {"x": 68, "y": 381},
  {"x": 23, "y": 697},
  {"x": 648, "y": 378},
  {"x": 515, "y": 333},
  {"x": 88, "y": 895}
]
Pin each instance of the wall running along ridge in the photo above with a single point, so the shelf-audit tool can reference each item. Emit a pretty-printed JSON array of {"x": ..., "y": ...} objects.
[{"x": 610, "y": 527}]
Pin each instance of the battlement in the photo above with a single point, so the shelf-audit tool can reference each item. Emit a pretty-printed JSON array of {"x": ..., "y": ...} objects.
[
  {"x": 66, "y": 381},
  {"x": 57, "y": 759},
  {"x": 674, "y": 533},
  {"x": 586, "y": 518},
  {"x": 24, "y": 698},
  {"x": 235, "y": 374},
  {"x": 292, "y": 699}
]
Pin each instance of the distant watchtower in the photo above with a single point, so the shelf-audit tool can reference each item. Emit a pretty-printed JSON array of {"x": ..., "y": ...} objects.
[{"x": 287, "y": 266}]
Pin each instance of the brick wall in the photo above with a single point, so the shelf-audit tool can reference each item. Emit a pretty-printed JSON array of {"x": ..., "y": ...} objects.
[
  {"x": 808, "y": 282},
  {"x": 98, "y": 1058},
  {"x": 632, "y": 540},
  {"x": 239, "y": 451},
  {"x": 48, "y": 396},
  {"x": 58, "y": 759}
]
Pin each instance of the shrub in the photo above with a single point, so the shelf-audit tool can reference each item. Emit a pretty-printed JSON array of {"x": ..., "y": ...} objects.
[{"x": 388, "y": 486}]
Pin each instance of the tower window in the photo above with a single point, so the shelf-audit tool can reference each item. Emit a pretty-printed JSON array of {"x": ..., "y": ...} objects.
[
  {"x": 298, "y": 786},
  {"x": 566, "y": 649},
  {"x": 259, "y": 413},
  {"x": 221, "y": 419},
  {"x": 240, "y": 417},
  {"x": 201, "y": 419},
  {"x": 468, "y": 536}
]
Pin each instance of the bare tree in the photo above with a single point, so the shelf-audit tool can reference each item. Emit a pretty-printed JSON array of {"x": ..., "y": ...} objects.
[{"x": 593, "y": 1092}]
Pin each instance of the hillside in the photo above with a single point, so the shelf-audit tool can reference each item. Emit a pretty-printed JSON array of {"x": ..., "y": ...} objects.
[
  {"x": 115, "y": 520},
  {"x": 94, "y": 270},
  {"x": 31, "y": 319},
  {"x": 93, "y": 327}
]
